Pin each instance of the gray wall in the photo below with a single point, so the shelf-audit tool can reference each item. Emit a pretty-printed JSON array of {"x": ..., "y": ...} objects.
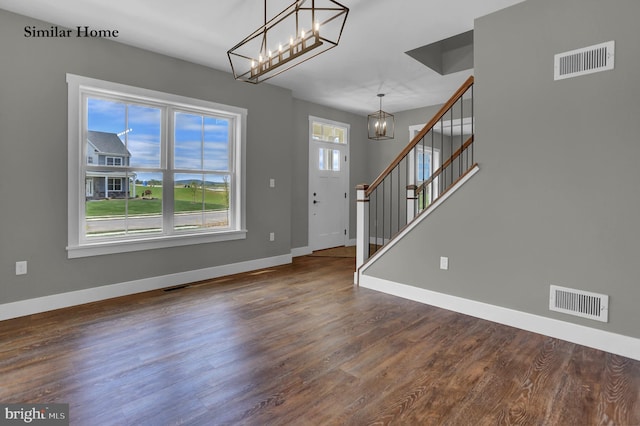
[
  {"x": 556, "y": 199},
  {"x": 33, "y": 161},
  {"x": 358, "y": 164}
]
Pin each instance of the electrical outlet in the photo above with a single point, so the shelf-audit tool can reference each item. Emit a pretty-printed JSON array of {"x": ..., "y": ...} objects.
[
  {"x": 272, "y": 183},
  {"x": 272, "y": 236},
  {"x": 21, "y": 267},
  {"x": 444, "y": 263}
]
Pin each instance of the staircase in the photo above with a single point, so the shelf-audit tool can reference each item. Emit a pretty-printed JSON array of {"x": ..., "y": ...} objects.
[{"x": 417, "y": 181}]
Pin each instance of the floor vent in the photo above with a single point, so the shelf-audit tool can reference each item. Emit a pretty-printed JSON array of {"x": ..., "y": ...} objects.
[
  {"x": 178, "y": 287},
  {"x": 583, "y": 61},
  {"x": 579, "y": 303}
]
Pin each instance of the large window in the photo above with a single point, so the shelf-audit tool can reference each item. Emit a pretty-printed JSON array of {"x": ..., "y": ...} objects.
[{"x": 159, "y": 170}]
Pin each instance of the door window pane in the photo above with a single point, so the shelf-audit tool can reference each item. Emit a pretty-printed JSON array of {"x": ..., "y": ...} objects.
[
  {"x": 329, "y": 133},
  {"x": 329, "y": 159}
]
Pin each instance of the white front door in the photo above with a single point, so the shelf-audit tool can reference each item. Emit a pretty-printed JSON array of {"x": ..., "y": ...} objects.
[
  {"x": 88, "y": 187},
  {"x": 328, "y": 184}
]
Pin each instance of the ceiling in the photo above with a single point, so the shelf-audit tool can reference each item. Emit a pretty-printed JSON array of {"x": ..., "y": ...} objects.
[{"x": 370, "y": 58}]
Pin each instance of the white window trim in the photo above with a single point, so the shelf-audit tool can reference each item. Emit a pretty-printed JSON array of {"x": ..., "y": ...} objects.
[
  {"x": 76, "y": 192},
  {"x": 119, "y": 159},
  {"x": 323, "y": 121},
  {"x": 113, "y": 183}
]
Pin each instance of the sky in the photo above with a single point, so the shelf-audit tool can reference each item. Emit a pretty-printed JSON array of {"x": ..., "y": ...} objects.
[{"x": 200, "y": 142}]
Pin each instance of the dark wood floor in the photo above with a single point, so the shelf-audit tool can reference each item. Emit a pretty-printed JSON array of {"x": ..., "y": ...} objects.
[{"x": 298, "y": 344}]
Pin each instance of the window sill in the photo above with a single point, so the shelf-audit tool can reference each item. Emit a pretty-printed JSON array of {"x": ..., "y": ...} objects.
[{"x": 111, "y": 247}]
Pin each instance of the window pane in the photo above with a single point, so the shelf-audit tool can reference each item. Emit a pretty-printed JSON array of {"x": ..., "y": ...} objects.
[
  {"x": 329, "y": 159},
  {"x": 121, "y": 134},
  {"x": 143, "y": 136},
  {"x": 336, "y": 160},
  {"x": 105, "y": 119},
  {"x": 201, "y": 201},
  {"x": 188, "y": 141},
  {"x": 317, "y": 131},
  {"x": 216, "y": 144},
  {"x": 329, "y": 133},
  {"x": 424, "y": 165},
  {"x": 122, "y": 203},
  {"x": 106, "y": 115}
]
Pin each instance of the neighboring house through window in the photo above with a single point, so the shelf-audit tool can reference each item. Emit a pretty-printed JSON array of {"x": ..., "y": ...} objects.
[
  {"x": 160, "y": 170},
  {"x": 110, "y": 150}
]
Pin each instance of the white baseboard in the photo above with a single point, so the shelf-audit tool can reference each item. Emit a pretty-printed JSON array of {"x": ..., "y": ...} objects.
[
  {"x": 351, "y": 242},
  {"x": 73, "y": 298},
  {"x": 301, "y": 251},
  {"x": 574, "y": 333}
]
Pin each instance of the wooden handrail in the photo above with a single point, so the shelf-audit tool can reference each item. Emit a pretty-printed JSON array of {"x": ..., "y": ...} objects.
[
  {"x": 446, "y": 107},
  {"x": 446, "y": 164}
]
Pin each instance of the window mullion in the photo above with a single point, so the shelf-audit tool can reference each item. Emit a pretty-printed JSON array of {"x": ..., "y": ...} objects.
[
  {"x": 168, "y": 172},
  {"x": 126, "y": 146},
  {"x": 203, "y": 177},
  {"x": 81, "y": 207}
]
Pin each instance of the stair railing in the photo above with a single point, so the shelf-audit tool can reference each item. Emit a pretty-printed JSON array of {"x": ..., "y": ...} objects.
[{"x": 409, "y": 185}]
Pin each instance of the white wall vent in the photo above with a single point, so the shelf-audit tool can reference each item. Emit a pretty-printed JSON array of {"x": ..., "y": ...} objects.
[
  {"x": 579, "y": 303},
  {"x": 587, "y": 60}
]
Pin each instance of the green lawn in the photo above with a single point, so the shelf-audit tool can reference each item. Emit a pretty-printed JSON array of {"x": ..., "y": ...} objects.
[{"x": 152, "y": 204}]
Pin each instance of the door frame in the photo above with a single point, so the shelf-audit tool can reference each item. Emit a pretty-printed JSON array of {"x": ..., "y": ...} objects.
[{"x": 344, "y": 207}]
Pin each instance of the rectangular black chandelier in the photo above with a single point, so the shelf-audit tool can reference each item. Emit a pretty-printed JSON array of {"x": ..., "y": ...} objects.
[{"x": 303, "y": 30}]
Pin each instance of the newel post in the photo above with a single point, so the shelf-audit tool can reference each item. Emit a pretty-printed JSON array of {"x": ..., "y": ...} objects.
[{"x": 362, "y": 227}]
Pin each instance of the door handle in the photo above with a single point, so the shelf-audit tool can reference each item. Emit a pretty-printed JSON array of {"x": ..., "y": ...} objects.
[{"x": 315, "y": 202}]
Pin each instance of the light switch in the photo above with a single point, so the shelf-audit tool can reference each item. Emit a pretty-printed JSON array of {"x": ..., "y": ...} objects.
[
  {"x": 21, "y": 267},
  {"x": 272, "y": 183},
  {"x": 444, "y": 263}
]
